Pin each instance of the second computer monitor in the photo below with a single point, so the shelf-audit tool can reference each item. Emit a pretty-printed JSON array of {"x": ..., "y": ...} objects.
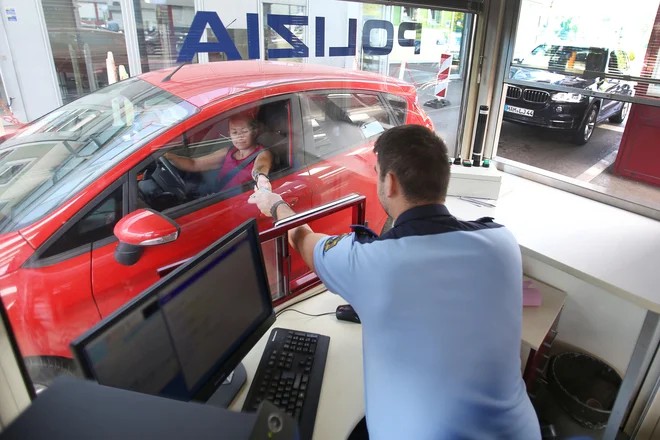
[{"x": 184, "y": 335}]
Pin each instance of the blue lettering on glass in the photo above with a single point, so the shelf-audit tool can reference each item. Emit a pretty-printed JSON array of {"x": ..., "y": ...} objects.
[
  {"x": 371, "y": 25},
  {"x": 320, "y": 36},
  {"x": 253, "y": 36},
  {"x": 278, "y": 23},
  {"x": 409, "y": 42},
  {"x": 349, "y": 50},
  {"x": 298, "y": 48},
  {"x": 193, "y": 43}
]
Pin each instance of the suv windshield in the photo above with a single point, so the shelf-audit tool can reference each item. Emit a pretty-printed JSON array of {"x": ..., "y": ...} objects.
[
  {"x": 567, "y": 58},
  {"x": 56, "y": 156}
]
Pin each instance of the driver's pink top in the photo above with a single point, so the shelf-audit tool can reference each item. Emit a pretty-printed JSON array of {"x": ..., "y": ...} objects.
[{"x": 243, "y": 176}]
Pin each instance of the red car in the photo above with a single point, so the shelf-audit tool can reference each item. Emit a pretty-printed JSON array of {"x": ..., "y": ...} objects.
[{"x": 69, "y": 177}]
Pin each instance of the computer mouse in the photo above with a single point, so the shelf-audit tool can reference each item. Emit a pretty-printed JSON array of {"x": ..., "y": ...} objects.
[{"x": 347, "y": 313}]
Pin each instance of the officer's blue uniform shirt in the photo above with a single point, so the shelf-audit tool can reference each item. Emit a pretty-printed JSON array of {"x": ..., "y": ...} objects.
[{"x": 440, "y": 302}]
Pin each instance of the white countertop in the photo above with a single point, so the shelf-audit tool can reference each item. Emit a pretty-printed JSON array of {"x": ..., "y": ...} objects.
[
  {"x": 607, "y": 247},
  {"x": 341, "y": 403}
]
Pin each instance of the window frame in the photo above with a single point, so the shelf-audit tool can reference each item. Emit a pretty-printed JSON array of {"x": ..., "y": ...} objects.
[
  {"x": 309, "y": 133},
  {"x": 386, "y": 97},
  {"x": 36, "y": 260},
  {"x": 554, "y": 180},
  {"x": 297, "y": 159}
]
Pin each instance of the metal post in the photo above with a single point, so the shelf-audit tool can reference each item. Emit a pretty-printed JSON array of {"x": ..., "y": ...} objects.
[
  {"x": 283, "y": 264},
  {"x": 647, "y": 408},
  {"x": 76, "y": 71},
  {"x": 477, "y": 146},
  {"x": 131, "y": 29},
  {"x": 89, "y": 64},
  {"x": 633, "y": 372}
]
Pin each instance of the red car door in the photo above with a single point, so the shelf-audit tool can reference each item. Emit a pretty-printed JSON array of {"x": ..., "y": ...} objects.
[
  {"x": 204, "y": 218},
  {"x": 50, "y": 301}
]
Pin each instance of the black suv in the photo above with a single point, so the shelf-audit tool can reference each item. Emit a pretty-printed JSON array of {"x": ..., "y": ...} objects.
[{"x": 573, "y": 112}]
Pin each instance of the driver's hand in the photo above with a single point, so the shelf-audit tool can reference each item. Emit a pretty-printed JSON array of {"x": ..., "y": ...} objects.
[
  {"x": 264, "y": 200},
  {"x": 263, "y": 183}
]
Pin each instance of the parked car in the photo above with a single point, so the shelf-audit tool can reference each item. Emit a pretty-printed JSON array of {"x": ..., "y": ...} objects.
[
  {"x": 580, "y": 68},
  {"x": 69, "y": 177}
]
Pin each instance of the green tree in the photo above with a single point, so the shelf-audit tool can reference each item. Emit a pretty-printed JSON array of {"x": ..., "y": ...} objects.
[{"x": 566, "y": 29}]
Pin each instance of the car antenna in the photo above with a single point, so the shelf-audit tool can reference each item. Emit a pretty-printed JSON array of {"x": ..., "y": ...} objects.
[{"x": 169, "y": 77}]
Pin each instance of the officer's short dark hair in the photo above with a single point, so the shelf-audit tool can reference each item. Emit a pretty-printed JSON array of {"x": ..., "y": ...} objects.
[{"x": 418, "y": 158}]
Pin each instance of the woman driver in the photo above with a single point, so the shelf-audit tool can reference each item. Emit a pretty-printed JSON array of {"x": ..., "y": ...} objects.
[{"x": 243, "y": 133}]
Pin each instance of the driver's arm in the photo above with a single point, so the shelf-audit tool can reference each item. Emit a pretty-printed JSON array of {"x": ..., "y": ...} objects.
[
  {"x": 263, "y": 163},
  {"x": 211, "y": 161}
]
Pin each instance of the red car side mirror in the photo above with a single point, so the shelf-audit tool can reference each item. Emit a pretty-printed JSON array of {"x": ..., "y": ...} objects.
[{"x": 141, "y": 228}]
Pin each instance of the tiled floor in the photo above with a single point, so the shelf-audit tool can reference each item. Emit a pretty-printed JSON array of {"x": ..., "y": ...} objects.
[{"x": 628, "y": 189}]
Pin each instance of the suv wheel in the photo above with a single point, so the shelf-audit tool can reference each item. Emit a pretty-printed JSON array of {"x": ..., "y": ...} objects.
[
  {"x": 586, "y": 129},
  {"x": 622, "y": 114}
]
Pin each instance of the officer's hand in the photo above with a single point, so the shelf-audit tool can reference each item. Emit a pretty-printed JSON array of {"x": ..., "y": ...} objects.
[
  {"x": 264, "y": 200},
  {"x": 263, "y": 183}
]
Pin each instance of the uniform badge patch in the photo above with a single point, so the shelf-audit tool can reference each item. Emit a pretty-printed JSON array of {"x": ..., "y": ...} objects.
[{"x": 332, "y": 242}]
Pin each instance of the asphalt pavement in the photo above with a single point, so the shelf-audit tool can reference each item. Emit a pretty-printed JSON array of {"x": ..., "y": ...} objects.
[
  {"x": 591, "y": 163},
  {"x": 554, "y": 151}
]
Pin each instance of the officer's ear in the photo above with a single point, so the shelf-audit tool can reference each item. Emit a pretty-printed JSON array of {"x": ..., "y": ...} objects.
[{"x": 391, "y": 185}]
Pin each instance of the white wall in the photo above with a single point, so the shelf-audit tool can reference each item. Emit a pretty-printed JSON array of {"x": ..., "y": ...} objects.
[
  {"x": 236, "y": 12},
  {"x": 592, "y": 319},
  {"x": 337, "y": 14},
  {"x": 14, "y": 397},
  {"x": 34, "y": 89}
]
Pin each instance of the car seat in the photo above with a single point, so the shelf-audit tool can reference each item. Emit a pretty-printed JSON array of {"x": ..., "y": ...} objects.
[
  {"x": 594, "y": 61},
  {"x": 275, "y": 136}
]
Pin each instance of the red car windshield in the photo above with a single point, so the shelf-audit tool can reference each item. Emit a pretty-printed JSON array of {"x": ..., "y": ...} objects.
[{"x": 50, "y": 160}]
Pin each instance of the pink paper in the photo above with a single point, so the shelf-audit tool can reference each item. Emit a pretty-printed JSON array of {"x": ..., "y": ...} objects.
[{"x": 531, "y": 295}]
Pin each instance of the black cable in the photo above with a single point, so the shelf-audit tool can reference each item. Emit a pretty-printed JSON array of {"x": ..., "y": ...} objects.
[
  {"x": 291, "y": 305},
  {"x": 302, "y": 313}
]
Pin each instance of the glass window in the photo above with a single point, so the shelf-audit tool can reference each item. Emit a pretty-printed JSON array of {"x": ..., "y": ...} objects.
[
  {"x": 563, "y": 55},
  {"x": 162, "y": 27},
  {"x": 96, "y": 225},
  {"x": 46, "y": 164},
  {"x": 273, "y": 40},
  {"x": 435, "y": 61},
  {"x": 342, "y": 120},
  {"x": 72, "y": 146},
  {"x": 221, "y": 155},
  {"x": 81, "y": 34},
  {"x": 399, "y": 108}
]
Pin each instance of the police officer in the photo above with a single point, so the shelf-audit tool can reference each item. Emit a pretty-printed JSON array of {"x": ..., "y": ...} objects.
[{"x": 440, "y": 302}]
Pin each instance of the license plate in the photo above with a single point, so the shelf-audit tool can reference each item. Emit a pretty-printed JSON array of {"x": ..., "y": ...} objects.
[{"x": 518, "y": 110}]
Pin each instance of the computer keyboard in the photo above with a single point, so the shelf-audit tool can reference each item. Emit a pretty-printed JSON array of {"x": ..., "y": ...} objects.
[{"x": 290, "y": 375}]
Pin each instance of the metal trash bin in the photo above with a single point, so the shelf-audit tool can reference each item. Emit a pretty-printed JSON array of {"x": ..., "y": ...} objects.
[{"x": 585, "y": 387}]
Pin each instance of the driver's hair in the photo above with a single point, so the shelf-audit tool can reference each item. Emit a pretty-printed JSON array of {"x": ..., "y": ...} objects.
[{"x": 245, "y": 116}]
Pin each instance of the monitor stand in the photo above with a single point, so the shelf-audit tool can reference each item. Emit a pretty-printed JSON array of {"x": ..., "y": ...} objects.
[{"x": 226, "y": 392}]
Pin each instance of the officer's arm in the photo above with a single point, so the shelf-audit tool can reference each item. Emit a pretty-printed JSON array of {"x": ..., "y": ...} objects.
[{"x": 302, "y": 239}]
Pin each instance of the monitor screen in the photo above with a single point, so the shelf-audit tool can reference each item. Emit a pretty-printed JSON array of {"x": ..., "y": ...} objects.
[{"x": 181, "y": 337}]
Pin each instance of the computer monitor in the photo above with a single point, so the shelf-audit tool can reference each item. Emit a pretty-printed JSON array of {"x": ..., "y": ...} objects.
[{"x": 185, "y": 334}]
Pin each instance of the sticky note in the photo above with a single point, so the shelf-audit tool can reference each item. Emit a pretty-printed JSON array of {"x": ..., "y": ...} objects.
[{"x": 531, "y": 295}]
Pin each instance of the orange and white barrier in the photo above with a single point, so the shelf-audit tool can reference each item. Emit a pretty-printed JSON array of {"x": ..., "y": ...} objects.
[
  {"x": 442, "y": 83},
  {"x": 402, "y": 69}
]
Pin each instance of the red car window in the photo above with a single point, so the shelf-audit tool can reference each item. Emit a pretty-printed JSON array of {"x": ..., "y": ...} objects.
[{"x": 208, "y": 161}]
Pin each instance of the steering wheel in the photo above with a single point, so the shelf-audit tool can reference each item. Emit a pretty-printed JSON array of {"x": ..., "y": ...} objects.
[{"x": 172, "y": 178}]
